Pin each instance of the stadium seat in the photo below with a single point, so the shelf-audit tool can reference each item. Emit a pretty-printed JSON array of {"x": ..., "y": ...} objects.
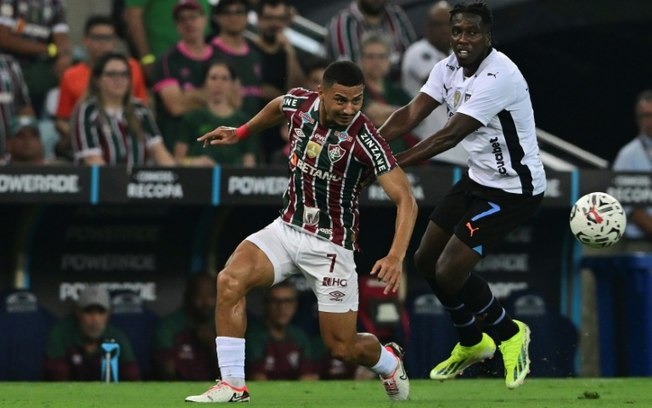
[
  {"x": 139, "y": 325},
  {"x": 24, "y": 326}
]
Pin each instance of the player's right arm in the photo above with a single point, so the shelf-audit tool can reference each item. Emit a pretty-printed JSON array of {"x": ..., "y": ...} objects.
[
  {"x": 270, "y": 115},
  {"x": 397, "y": 187},
  {"x": 408, "y": 117}
]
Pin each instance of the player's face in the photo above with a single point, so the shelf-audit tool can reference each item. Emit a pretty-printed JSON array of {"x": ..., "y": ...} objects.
[
  {"x": 340, "y": 103},
  {"x": 470, "y": 40}
]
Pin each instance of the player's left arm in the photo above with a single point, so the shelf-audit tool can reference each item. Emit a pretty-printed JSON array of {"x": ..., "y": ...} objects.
[
  {"x": 390, "y": 268},
  {"x": 270, "y": 115},
  {"x": 456, "y": 129}
]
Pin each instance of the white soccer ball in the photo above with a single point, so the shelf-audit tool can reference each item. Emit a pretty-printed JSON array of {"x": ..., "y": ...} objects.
[{"x": 598, "y": 220}]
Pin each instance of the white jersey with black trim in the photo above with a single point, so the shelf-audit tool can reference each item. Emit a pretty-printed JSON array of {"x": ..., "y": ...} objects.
[{"x": 503, "y": 152}]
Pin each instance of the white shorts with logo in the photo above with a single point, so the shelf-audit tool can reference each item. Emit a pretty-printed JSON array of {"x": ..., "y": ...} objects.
[{"x": 328, "y": 268}]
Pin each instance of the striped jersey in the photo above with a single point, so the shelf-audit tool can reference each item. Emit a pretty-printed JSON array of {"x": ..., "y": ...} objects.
[
  {"x": 503, "y": 152},
  {"x": 327, "y": 166},
  {"x": 13, "y": 96},
  {"x": 34, "y": 20},
  {"x": 98, "y": 132},
  {"x": 346, "y": 29}
]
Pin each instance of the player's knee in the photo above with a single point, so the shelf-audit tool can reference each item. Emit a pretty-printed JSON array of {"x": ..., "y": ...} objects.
[{"x": 228, "y": 285}]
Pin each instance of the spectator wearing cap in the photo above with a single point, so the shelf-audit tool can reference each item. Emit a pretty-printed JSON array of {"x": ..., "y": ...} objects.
[
  {"x": 73, "y": 350},
  {"x": 24, "y": 145},
  {"x": 151, "y": 28},
  {"x": 179, "y": 73}
]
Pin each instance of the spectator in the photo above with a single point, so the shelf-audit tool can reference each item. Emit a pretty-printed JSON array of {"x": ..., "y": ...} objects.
[
  {"x": 15, "y": 100},
  {"x": 73, "y": 349},
  {"x": 314, "y": 73},
  {"x": 99, "y": 38},
  {"x": 184, "y": 345},
  {"x": 111, "y": 127},
  {"x": 280, "y": 65},
  {"x": 151, "y": 29},
  {"x": 179, "y": 73},
  {"x": 346, "y": 29},
  {"x": 232, "y": 46},
  {"x": 218, "y": 84},
  {"x": 419, "y": 59},
  {"x": 381, "y": 95},
  {"x": 36, "y": 33},
  {"x": 24, "y": 145},
  {"x": 277, "y": 350},
  {"x": 636, "y": 156}
]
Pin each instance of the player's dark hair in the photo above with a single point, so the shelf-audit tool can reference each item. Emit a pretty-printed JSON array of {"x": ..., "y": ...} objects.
[
  {"x": 96, "y": 20},
  {"x": 478, "y": 8},
  {"x": 345, "y": 73}
]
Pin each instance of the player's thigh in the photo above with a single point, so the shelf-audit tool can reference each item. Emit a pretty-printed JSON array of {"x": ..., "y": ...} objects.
[
  {"x": 264, "y": 257},
  {"x": 432, "y": 244},
  {"x": 492, "y": 216},
  {"x": 331, "y": 273}
]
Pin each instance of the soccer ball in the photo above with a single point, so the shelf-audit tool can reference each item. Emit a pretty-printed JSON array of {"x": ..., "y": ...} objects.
[{"x": 597, "y": 220}]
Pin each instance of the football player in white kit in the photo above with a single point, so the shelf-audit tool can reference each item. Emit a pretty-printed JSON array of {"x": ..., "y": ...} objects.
[{"x": 490, "y": 114}]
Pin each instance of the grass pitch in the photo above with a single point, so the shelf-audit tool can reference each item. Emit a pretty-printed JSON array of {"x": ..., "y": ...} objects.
[{"x": 462, "y": 393}]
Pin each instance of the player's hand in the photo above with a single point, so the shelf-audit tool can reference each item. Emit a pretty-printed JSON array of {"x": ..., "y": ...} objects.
[
  {"x": 389, "y": 270},
  {"x": 218, "y": 136}
]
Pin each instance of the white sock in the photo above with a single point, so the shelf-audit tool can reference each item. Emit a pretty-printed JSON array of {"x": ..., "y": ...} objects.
[
  {"x": 231, "y": 358},
  {"x": 386, "y": 364}
]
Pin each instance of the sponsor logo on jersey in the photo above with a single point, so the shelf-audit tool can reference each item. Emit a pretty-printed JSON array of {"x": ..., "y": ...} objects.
[
  {"x": 335, "y": 152},
  {"x": 326, "y": 231},
  {"x": 336, "y": 296},
  {"x": 493, "y": 74},
  {"x": 498, "y": 154},
  {"x": 337, "y": 282},
  {"x": 342, "y": 136},
  {"x": 467, "y": 97},
  {"x": 306, "y": 118},
  {"x": 298, "y": 133},
  {"x": 310, "y": 215},
  {"x": 313, "y": 149},
  {"x": 313, "y": 171}
]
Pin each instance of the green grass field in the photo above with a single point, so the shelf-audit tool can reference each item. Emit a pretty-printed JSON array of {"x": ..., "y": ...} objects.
[{"x": 463, "y": 393}]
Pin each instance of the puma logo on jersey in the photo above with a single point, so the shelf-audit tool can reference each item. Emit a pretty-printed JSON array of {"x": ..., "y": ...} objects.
[
  {"x": 492, "y": 74},
  {"x": 471, "y": 229}
]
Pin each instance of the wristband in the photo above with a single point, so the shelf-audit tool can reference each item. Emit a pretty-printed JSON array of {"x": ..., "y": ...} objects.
[
  {"x": 147, "y": 59},
  {"x": 242, "y": 132},
  {"x": 52, "y": 50}
]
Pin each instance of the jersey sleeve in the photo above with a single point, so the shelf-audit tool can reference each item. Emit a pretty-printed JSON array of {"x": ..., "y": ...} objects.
[
  {"x": 372, "y": 150},
  {"x": 293, "y": 99},
  {"x": 85, "y": 136},
  {"x": 434, "y": 86}
]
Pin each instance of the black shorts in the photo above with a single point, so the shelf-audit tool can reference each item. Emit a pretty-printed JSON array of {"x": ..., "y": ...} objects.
[{"x": 481, "y": 216}]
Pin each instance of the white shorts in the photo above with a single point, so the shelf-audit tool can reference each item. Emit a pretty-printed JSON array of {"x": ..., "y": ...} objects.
[{"x": 328, "y": 268}]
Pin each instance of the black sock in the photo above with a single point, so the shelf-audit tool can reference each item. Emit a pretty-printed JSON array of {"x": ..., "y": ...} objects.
[
  {"x": 477, "y": 296},
  {"x": 463, "y": 320}
]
